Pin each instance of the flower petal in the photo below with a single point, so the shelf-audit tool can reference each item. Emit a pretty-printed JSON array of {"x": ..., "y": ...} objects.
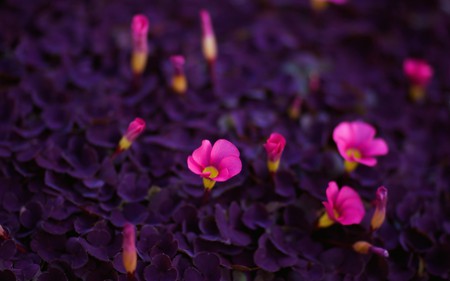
[
  {"x": 362, "y": 133},
  {"x": 202, "y": 154},
  {"x": 232, "y": 164},
  {"x": 221, "y": 149},
  {"x": 374, "y": 148},
  {"x": 194, "y": 166}
]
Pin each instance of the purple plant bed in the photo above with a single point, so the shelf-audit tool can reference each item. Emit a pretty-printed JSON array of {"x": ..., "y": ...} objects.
[{"x": 67, "y": 95}]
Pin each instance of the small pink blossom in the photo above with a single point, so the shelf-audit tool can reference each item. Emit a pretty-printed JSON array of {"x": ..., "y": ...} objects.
[
  {"x": 380, "y": 208},
  {"x": 356, "y": 143},
  {"x": 135, "y": 128},
  {"x": 129, "y": 255},
  {"x": 139, "y": 31},
  {"x": 343, "y": 206},
  {"x": 219, "y": 162},
  {"x": 274, "y": 148},
  {"x": 178, "y": 64},
  {"x": 418, "y": 71},
  {"x": 209, "y": 44}
]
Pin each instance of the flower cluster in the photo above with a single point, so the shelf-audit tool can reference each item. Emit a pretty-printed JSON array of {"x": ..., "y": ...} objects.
[{"x": 244, "y": 142}]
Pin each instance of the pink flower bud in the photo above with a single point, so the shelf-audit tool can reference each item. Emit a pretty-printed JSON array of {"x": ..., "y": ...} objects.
[
  {"x": 274, "y": 148},
  {"x": 179, "y": 81},
  {"x": 135, "y": 128},
  {"x": 380, "y": 208},
  {"x": 139, "y": 31},
  {"x": 129, "y": 255},
  {"x": 219, "y": 162},
  {"x": 208, "y": 41},
  {"x": 419, "y": 72},
  {"x": 364, "y": 247},
  {"x": 343, "y": 206}
]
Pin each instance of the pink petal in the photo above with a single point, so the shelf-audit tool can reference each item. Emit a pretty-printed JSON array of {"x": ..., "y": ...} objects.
[
  {"x": 368, "y": 161},
  {"x": 224, "y": 175},
  {"x": 351, "y": 216},
  {"x": 329, "y": 209},
  {"x": 221, "y": 149},
  {"x": 347, "y": 195},
  {"x": 362, "y": 133},
  {"x": 194, "y": 166},
  {"x": 343, "y": 134},
  {"x": 202, "y": 154},
  {"x": 332, "y": 193},
  {"x": 233, "y": 164},
  {"x": 374, "y": 148}
]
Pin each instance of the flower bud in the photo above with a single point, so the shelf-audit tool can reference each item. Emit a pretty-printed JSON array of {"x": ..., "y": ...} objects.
[
  {"x": 135, "y": 128},
  {"x": 364, "y": 247},
  {"x": 209, "y": 44},
  {"x": 274, "y": 148},
  {"x": 179, "y": 81},
  {"x": 129, "y": 255},
  {"x": 139, "y": 31},
  {"x": 380, "y": 208}
]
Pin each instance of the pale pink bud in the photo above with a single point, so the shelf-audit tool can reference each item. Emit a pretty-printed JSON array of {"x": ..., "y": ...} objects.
[
  {"x": 364, "y": 247},
  {"x": 380, "y": 208},
  {"x": 208, "y": 41},
  {"x": 179, "y": 81},
  {"x": 129, "y": 255}
]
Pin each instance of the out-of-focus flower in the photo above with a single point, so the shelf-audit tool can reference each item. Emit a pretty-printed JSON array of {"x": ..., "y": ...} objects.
[
  {"x": 139, "y": 31},
  {"x": 343, "y": 206},
  {"x": 219, "y": 162},
  {"x": 356, "y": 144},
  {"x": 419, "y": 73},
  {"x": 179, "y": 81},
  {"x": 209, "y": 44},
  {"x": 274, "y": 147},
  {"x": 319, "y": 5},
  {"x": 294, "y": 110},
  {"x": 380, "y": 208},
  {"x": 135, "y": 128},
  {"x": 364, "y": 247},
  {"x": 129, "y": 248}
]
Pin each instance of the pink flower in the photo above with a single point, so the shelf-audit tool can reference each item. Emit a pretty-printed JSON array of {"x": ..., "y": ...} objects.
[
  {"x": 129, "y": 256},
  {"x": 219, "y": 162},
  {"x": 356, "y": 144},
  {"x": 380, "y": 208},
  {"x": 343, "y": 206},
  {"x": 274, "y": 147},
  {"x": 209, "y": 40},
  {"x": 135, "y": 128},
  {"x": 419, "y": 72}
]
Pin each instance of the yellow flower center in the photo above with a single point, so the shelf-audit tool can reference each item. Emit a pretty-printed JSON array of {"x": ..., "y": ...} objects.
[
  {"x": 208, "y": 183},
  {"x": 354, "y": 153}
]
